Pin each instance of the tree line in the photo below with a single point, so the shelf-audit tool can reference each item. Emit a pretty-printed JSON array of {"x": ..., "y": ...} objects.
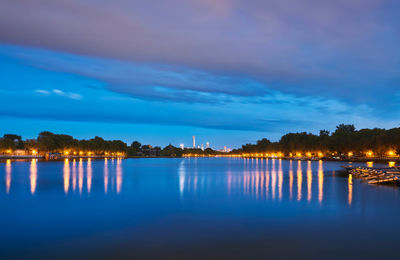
[
  {"x": 344, "y": 141},
  {"x": 60, "y": 143}
]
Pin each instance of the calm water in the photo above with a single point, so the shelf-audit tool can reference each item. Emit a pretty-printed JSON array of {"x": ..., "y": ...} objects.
[{"x": 193, "y": 208}]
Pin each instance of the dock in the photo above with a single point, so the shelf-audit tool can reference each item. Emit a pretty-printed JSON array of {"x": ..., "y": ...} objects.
[{"x": 372, "y": 175}]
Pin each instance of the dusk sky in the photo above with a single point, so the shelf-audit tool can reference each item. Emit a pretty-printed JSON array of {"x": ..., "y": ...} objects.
[{"x": 229, "y": 72}]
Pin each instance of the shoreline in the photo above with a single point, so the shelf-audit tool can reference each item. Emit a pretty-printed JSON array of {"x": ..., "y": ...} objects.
[{"x": 348, "y": 160}]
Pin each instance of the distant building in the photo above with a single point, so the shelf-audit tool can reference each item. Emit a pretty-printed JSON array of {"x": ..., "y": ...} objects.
[
  {"x": 202, "y": 147},
  {"x": 225, "y": 150},
  {"x": 182, "y": 146},
  {"x": 208, "y": 145},
  {"x": 194, "y": 141}
]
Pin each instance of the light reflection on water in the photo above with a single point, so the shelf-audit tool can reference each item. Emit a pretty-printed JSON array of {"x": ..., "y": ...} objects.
[
  {"x": 33, "y": 175},
  {"x": 291, "y": 180},
  {"x": 299, "y": 180},
  {"x": 66, "y": 175},
  {"x": 263, "y": 179},
  {"x": 89, "y": 175},
  {"x": 309, "y": 181},
  {"x": 69, "y": 181},
  {"x": 8, "y": 176},
  {"x": 181, "y": 200},
  {"x": 105, "y": 175},
  {"x": 320, "y": 181},
  {"x": 119, "y": 175},
  {"x": 74, "y": 175},
  {"x": 350, "y": 193},
  {"x": 260, "y": 178}
]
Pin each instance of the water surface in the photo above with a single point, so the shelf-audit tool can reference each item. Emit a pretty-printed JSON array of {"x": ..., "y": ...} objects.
[{"x": 222, "y": 208}]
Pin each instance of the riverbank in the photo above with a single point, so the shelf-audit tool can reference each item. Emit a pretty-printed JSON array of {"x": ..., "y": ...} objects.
[{"x": 40, "y": 157}]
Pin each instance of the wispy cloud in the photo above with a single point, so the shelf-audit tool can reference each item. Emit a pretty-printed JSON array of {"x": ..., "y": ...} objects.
[
  {"x": 58, "y": 92},
  {"x": 42, "y": 92},
  {"x": 67, "y": 94}
]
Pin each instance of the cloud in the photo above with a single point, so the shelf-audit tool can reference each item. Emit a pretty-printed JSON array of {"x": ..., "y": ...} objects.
[
  {"x": 279, "y": 65},
  {"x": 58, "y": 92},
  {"x": 303, "y": 47},
  {"x": 42, "y": 92},
  {"x": 68, "y": 95},
  {"x": 146, "y": 81}
]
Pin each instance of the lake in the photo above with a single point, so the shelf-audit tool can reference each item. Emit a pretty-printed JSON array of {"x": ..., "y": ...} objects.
[{"x": 193, "y": 208}]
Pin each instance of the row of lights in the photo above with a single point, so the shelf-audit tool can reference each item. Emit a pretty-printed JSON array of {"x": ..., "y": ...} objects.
[
  {"x": 92, "y": 153},
  {"x": 279, "y": 154},
  {"x": 35, "y": 152}
]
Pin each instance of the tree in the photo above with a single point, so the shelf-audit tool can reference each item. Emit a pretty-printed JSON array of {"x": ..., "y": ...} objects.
[
  {"x": 342, "y": 138},
  {"x": 323, "y": 133},
  {"x": 47, "y": 141},
  {"x": 345, "y": 129},
  {"x": 16, "y": 139},
  {"x": 171, "y": 151}
]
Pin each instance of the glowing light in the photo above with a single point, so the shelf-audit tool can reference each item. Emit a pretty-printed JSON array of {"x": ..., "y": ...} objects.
[
  {"x": 320, "y": 154},
  {"x": 8, "y": 176},
  {"x": 299, "y": 180},
  {"x": 181, "y": 174},
  {"x": 350, "y": 154},
  {"x": 34, "y": 152},
  {"x": 370, "y": 153},
  {"x": 350, "y": 186},
  {"x": 105, "y": 175},
  {"x": 309, "y": 181},
  {"x": 391, "y": 153},
  {"x": 308, "y": 154},
  {"x": 291, "y": 180},
  {"x": 33, "y": 176},
  {"x": 320, "y": 182},
  {"x": 80, "y": 176},
  {"x": 273, "y": 179},
  {"x": 267, "y": 178},
  {"x": 392, "y": 164},
  {"x": 66, "y": 175},
  {"x": 89, "y": 176},
  {"x": 74, "y": 175},
  {"x": 280, "y": 179}
]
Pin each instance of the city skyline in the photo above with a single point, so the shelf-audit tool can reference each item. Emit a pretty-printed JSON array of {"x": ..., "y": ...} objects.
[{"x": 234, "y": 72}]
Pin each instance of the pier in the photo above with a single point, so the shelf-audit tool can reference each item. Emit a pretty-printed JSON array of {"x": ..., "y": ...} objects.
[{"x": 371, "y": 175}]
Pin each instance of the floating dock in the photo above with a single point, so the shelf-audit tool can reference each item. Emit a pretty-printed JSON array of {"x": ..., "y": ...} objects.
[{"x": 371, "y": 175}]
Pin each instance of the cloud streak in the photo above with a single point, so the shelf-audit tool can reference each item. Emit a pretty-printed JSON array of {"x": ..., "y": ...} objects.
[
  {"x": 300, "y": 47},
  {"x": 59, "y": 93}
]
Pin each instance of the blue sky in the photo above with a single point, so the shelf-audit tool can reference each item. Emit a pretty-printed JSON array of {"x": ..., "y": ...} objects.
[{"x": 229, "y": 72}]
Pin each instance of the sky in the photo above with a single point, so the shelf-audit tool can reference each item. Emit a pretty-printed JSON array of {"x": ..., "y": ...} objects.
[{"x": 227, "y": 71}]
